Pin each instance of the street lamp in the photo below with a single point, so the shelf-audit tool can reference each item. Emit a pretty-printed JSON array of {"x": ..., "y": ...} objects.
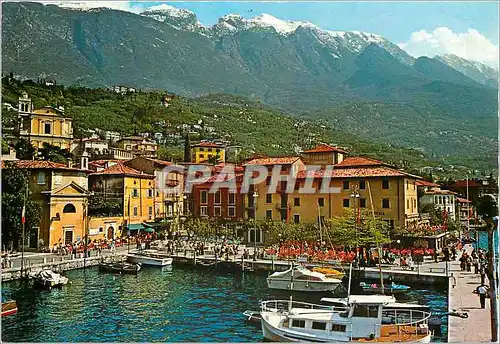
[
  {"x": 255, "y": 195},
  {"x": 354, "y": 196}
]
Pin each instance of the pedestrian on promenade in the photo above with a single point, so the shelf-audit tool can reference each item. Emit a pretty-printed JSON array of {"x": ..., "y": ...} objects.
[
  {"x": 475, "y": 262},
  {"x": 463, "y": 260},
  {"x": 468, "y": 261},
  {"x": 481, "y": 290}
]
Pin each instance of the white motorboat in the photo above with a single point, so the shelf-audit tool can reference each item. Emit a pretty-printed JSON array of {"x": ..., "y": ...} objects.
[
  {"x": 362, "y": 318},
  {"x": 149, "y": 259},
  {"x": 302, "y": 279},
  {"x": 49, "y": 279}
]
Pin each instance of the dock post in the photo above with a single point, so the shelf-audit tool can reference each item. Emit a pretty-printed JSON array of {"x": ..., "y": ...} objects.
[
  {"x": 272, "y": 262},
  {"x": 242, "y": 264},
  {"x": 194, "y": 255}
]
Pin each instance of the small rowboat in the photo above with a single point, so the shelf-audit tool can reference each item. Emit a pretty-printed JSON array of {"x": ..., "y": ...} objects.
[
  {"x": 120, "y": 268},
  {"x": 252, "y": 316},
  {"x": 9, "y": 307},
  {"x": 389, "y": 288}
]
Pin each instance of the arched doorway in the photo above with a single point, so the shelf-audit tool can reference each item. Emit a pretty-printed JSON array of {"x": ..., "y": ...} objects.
[{"x": 111, "y": 232}]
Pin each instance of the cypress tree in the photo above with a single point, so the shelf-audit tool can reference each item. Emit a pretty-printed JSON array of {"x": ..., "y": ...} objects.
[{"x": 187, "y": 149}]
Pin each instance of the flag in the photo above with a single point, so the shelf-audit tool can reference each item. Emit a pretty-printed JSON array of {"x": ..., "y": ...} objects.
[{"x": 23, "y": 215}]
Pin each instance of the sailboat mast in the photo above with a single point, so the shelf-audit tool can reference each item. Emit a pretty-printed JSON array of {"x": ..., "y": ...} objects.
[{"x": 378, "y": 245}]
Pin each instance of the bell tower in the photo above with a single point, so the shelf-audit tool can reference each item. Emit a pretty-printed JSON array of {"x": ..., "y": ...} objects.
[{"x": 25, "y": 106}]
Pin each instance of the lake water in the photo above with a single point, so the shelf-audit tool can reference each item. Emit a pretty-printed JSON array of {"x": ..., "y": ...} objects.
[{"x": 176, "y": 305}]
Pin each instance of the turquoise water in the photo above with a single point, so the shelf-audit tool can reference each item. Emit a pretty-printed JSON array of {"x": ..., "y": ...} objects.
[
  {"x": 156, "y": 305},
  {"x": 483, "y": 240}
]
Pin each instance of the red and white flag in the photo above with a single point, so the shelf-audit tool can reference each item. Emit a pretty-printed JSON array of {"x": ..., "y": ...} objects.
[{"x": 23, "y": 215}]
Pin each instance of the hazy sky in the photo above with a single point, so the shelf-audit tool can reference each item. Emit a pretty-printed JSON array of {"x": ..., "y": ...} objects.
[{"x": 468, "y": 29}]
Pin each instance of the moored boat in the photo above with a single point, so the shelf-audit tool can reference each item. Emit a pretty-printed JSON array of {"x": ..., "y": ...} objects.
[
  {"x": 363, "y": 318},
  {"x": 329, "y": 272},
  {"x": 121, "y": 268},
  {"x": 298, "y": 278},
  {"x": 9, "y": 307},
  {"x": 392, "y": 288},
  {"x": 49, "y": 279},
  {"x": 149, "y": 259}
]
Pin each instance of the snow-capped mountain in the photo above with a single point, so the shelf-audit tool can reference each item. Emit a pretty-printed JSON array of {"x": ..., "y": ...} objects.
[
  {"x": 180, "y": 19},
  {"x": 473, "y": 69}
]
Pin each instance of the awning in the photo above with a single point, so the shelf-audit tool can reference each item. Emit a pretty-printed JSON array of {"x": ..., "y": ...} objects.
[{"x": 140, "y": 227}]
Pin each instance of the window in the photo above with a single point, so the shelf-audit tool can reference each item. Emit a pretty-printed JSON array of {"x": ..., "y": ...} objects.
[
  {"x": 135, "y": 193},
  {"x": 204, "y": 210},
  {"x": 362, "y": 185},
  {"x": 269, "y": 214},
  {"x": 203, "y": 196},
  {"x": 41, "y": 178},
  {"x": 407, "y": 204},
  {"x": 47, "y": 128},
  {"x": 365, "y": 311},
  {"x": 345, "y": 185},
  {"x": 362, "y": 202},
  {"x": 407, "y": 185},
  {"x": 321, "y": 220},
  {"x": 57, "y": 179},
  {"x": 231, "y": 211},
  {"x": 338, "y": 328},
  {"x": 415, "y": 202},
  {"x": 268, "y": 180},
  {"x": 232, "y": 198},
  {"x": 69, "y": 208},
  {"x": 346, "y": 203},
  {"x": 150, "y": 212},
  {"x": 296, "y": 201},
  {"x": 385, "y": 203},
  {"x": 217, "y": 211},
  {"x": 68, "y": 237},
  {"x": 150, "y": 193},
  {"x": 321, "y": 202},
  {"x": 269, "y": 198},
  {"x": 135, "y": 211},
  {"x": 101, "y": 229},
  {"x": 385, "y": 184},
  {"x": 318, "y": 325},
  {"x": 296, "y": 218},
  {"x": 298, "y": 323},
  {"x": 217, "y": 197}
]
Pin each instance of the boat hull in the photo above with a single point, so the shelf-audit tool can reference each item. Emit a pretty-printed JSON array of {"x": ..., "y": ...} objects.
[
  {"x": 149, "y": 261},
  {"x": 9, "y": 308},
  {"x": 298, "y": 285}
]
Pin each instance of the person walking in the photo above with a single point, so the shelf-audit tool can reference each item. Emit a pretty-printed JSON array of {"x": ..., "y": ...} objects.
[{"x": 481, "y": 290}]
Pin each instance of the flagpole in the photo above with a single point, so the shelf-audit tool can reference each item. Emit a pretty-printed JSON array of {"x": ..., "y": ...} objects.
[{"x": 23, "y": 220}]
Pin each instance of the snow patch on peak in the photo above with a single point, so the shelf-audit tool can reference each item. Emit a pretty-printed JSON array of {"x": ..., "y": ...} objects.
[
  {"x": 171, "y": 11},
  {"x": 281, "y": 26}
]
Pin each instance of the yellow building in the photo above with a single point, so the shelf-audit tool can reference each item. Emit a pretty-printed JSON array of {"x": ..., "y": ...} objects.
[
  {"x": 45, "y": 125},
  {"x": 169, "y": 194},
  {"x": 204, "y": 152},
  {"x": 129, "y": 193},
  {"x": 62, "y": 193},
  {"x": 393, "y": 193}
]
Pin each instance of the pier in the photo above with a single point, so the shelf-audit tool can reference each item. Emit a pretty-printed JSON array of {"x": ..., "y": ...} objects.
[{"x": 477, "y": 327}]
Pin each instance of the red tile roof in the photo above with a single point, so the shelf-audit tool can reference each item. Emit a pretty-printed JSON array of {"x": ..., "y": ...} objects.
[
  {"x": 273, "y": 161},
  {"x": 463, "y": 200},
  {"x": 362, "y": 172},
  {"x": 40, "y": 164},
  {"x": 207, "y": 144},
  {"x": 325, "y": 148},
  {"x": 463, "y": 183},
  {"x": 122, "y": 170},
  {"x": 426, "y": 183},
  {"x": 359, "y": 161}
]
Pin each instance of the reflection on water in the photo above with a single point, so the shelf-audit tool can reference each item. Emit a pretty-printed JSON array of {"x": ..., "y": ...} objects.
[{"x": 174, "y": 305}]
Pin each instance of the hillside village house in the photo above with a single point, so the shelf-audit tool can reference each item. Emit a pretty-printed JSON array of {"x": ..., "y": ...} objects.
[
  {"x": 130, "y": 193},
  {"x": 203, "y": 152},
  {"x": 62, "y": 192},
  {"x": 138, "y": 145},
  {"x": 45, "y": 125},
  {"x": 444, "y": 200}
]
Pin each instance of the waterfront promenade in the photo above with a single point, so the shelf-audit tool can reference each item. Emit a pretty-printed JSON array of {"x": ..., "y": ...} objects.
[{"x": 477, "y": 327}]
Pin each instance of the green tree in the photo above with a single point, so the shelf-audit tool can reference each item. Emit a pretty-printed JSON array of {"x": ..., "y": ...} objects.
[
  {"x": 187, "y": 148},
  {"x": 487, "y": 207},
  {"x": 24, "y": 150},
  {"x": 14, "y": 190},
  {"x": 53, "y": 153}
]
